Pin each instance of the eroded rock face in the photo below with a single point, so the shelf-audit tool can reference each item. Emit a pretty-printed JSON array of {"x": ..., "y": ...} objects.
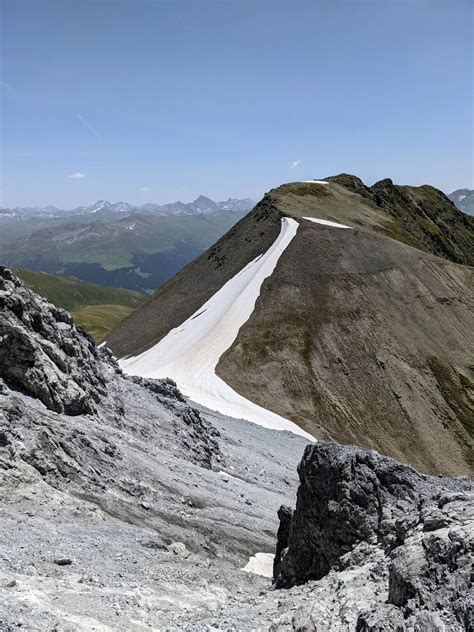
[
  {"x": 352, "y": 502},
  {"x": 43, "y": 354},
  {"x": 45, "y": 357}
]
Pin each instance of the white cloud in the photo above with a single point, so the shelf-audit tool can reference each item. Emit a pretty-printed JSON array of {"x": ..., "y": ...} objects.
[
  {"x": 77, "y": 175},
  {"x": 145, "y": 189},
  {"x": 295, "y": 164}
]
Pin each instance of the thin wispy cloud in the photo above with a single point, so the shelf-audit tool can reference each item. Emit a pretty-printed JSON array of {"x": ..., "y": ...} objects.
[
  {"x": 83, "y": 120},
  {"x": 5, "y": 85},
  {"x": 145, "y": 189},
  {"x": 295, "y": 164},
  {"x": 77, "y": 175}
]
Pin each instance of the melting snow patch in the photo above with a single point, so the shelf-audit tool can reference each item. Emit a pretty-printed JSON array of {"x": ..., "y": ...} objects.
[
  {"x": 315, "y": 181},
  {"x": 326, "y": 222},
  {"x": 260, "y": 564},
  {"x": 190, "y": 353}
]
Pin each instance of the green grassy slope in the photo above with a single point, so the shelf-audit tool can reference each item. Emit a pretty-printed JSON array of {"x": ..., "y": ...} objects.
[
  {"x": 97, "y": 308},
  {"x": 98, "y": 320},
  {"x": 420, "y": 216}
]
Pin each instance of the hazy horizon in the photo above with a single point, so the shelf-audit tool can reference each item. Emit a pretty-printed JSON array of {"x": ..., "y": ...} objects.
[
  {"x": 183, "y": 201},
  {"x": 163, "y": 101}
]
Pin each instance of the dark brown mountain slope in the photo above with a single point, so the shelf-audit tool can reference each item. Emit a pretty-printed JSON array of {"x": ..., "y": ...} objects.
[
  {"x": 356, "y": 337},
  {"x": 360, "y": 339}
]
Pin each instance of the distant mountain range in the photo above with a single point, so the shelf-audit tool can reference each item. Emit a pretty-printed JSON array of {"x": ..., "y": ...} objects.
[
  {"x": 102, "y": 208},
  {"x": 464, "y": 200},
  {"x": 137, "y": 248}
]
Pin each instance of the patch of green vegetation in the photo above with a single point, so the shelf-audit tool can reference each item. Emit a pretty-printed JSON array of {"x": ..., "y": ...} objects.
[
  {"x": 98, "y": 320},
  {"x": 457, "y": 390},
  {"x": 425, "y": 235},
  {"x": 424, "y": 218},
  {"x": 71, "y": 293},
  {"x": 97, "y": 308},
  {"x": 307, "y": 188}
]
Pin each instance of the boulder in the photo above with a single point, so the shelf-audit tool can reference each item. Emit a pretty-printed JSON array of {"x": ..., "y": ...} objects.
[{"x": 351, "y": 502}]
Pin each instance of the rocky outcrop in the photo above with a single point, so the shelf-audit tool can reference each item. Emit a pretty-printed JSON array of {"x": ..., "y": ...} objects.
[
  {"x": 284, "y": 516},
  {"x": 45, "y": 355},
  {"x": 353, "y": 504},
  {"x": 198, "y": 437}
]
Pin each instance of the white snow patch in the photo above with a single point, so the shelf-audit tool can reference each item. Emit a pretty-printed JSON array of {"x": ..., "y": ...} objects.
[
  {"x": 326, "y": 222},
  {"x": 260, "y": 564},
  {"x": 315, "y": 181},
  {"x": 190, "y": 353},
  {"x": 461, "y": 197}
]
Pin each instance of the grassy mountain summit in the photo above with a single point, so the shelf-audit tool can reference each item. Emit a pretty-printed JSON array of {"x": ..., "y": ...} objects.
[
  {"x": 95, "y": 307},
  {"x": 421, "y": 216},
  {"x": 359, "y": 336}
]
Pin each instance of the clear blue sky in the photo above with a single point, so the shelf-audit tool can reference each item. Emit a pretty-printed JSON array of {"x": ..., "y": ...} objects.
[{"x": 224, "y": 97}]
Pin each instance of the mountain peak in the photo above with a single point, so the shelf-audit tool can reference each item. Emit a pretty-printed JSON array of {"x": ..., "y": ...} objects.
[
  {"x": 300, "y": 302},
  {"x": 464, "y": 200}
]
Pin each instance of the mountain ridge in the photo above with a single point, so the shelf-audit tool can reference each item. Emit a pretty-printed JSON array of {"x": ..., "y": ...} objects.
[
  {"x": 201, "y": 205},
  {"x": 296, "y": 348}
]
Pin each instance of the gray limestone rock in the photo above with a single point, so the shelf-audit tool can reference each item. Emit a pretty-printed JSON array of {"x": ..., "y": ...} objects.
[{"x": 422, "y": 525}]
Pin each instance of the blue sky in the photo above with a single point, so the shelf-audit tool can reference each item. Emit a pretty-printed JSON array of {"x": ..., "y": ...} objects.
[{"x": 159, "y": 101}]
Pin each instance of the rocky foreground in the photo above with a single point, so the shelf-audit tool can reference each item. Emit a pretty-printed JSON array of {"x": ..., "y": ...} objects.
[
  {"x": 414, "y": 535},
  {"x": 123, "y": 507}
]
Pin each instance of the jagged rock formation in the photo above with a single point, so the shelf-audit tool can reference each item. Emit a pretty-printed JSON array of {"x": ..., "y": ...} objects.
[
  {"x": 42, "y": 352},
  {"x": 46, "y": 357},
  {"x": 359, "y": 336},
  {"x": 356, "y": 508}
]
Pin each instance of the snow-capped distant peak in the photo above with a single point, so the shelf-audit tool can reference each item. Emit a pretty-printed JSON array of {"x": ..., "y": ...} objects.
[
  {"x": 98, "y": 206},
  {"x": 201, "y": 206},
  {"x": 234, "y": 204},
  {"x": 122, "y": 207}
]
